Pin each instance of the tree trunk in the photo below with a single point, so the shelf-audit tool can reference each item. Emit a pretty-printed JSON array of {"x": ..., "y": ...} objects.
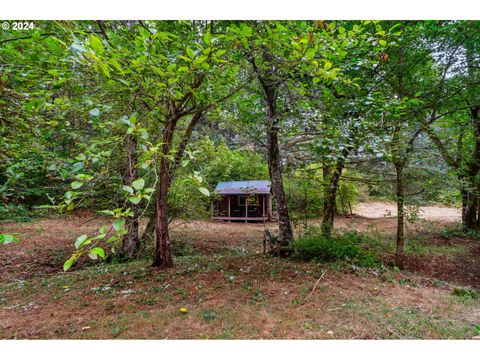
[
  {"x": 330, "y": 200},
  {"x": 148, "y": 234},
  {"x": 400, "y": 163},
  {"x": 471, "y": 213},
  {"x": 131, "y": 242},
  {"x": 400, "y": 197},
  {"x": 471, "y": 209},
  {"x": 149, "y": 229},
  {"x": 163, "y": 254},
  {"x": 275, "y": 169},
  {"x": 267, "y": 82},
  {"x": 326, "y": 172}
]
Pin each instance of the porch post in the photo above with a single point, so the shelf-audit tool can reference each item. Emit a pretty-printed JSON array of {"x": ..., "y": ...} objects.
[
  {"x": 263, "y": 208},
  {"x": 229, "y": 197},
  {"x": 269, "y": 205},
  {"x": 246, "y": 208}
]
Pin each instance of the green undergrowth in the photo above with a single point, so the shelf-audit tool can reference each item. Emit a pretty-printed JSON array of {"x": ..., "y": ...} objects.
[{"x": 353, "y": 247}]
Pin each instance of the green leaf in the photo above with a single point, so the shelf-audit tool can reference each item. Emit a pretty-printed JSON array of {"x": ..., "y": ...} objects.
[
  {"x": 382, "y": 42},
  {"x": 96, "y": 44},
  {"x": 116, "y": 64},
  {"x": 95, "y": 112},
  {"x": 134, "y": 199},
  {"x": 190, "y": 53},
  {"x": 327, "y": 66},
  {"x": 105, "y": 69},
  {"x": 99, "y": 251},
  {"x": 207, "y": 38},
  {"x": 112, "y": 239},
  {"x": 81, "y": 240},
  {"x": 220, "y": 53},
  {"x": 204, "y": 191},
  {"x": 7, "y": 239},
  {"x": 138, "y": 184},
  {"x": 310, "y": 53},
  {"x": 68, "y": 264},
  {"x": 128, "y": 189},
  {"x": 118, "y": 224},
  {"x": 76, "y": 185},
  {"x": 198, "y": 179},
  {"x": 77, "y": 166}
]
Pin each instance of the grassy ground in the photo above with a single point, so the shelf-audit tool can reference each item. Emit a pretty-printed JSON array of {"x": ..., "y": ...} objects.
[{"x": 232, "y": 291}]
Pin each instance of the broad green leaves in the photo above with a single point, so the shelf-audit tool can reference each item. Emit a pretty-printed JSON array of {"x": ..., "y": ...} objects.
[
  {"x": 208, "y": 39},
  {"x": 118, "y": 224},
  {"x": 204, "y": 191},
  {"x": 95, "y": 252},
  {"x": 68, "y": 264},
  {"x": 76, "y": 185},
  {"x": 137, "y": 191},
  {"x": 7, "y": 239},
  {"x": 90, "y": 245},
  {"x": 96, "y": 45},
  {"x": 138, "y": 184},
  {"x": 190, "y": 54},
  {"x": 81, "y": 240}
]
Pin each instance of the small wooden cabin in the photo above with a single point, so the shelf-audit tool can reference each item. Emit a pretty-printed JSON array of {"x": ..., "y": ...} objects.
[{"x": 246, "y": 200}]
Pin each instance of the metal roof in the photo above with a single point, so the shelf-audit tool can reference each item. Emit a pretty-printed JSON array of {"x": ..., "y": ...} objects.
[{"x": 243, "y": 187}]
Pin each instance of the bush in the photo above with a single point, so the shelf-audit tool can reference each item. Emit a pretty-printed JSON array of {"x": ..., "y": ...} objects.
[
  {"x": 304, "y": 197},
  {"x": 347, "y": 196},
  {"x": 466, "y": 293},
  {"x": 14, "y": 213},
  {"x": 351, "y": 247}
]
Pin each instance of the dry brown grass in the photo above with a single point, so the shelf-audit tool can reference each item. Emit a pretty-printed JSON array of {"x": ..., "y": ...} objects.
[{"x": 229, "y": 288}]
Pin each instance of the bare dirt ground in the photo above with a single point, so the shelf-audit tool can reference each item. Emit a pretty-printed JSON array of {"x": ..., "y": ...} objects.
[
  {"x": 232, "y": 291},
  {"x": 379, "y": 209}
]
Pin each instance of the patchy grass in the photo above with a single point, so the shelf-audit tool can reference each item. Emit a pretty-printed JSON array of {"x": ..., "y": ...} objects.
[{"x": 230, "y": 290}]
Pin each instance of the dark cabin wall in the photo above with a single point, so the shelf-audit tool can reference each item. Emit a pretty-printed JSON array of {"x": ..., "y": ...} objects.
[
  {"x": 222, "y": 207},
  {"x": 238, "y": 209}
]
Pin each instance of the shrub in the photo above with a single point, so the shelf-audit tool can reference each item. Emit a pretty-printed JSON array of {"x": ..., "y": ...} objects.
[
  {"x": 352, "y": 247},
  {"x": 304, "y": 197},
  {"x": 466, "y": 293},
  {"x": 347, "y": 196},
  {"x": 14, "y": 213}
]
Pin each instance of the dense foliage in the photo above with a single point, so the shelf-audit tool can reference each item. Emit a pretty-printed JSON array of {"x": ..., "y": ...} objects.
[{"x": 139, "y": 119}]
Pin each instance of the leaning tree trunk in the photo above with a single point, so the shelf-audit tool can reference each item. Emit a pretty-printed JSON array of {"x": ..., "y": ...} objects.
[
  {"x": 149, "y": 231},
  {"x": 400, "y": 197},
  {"x": 330, "y": 200},
  {"x": 275, "y": 170},
  {"x": 131, "y": 242}
]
